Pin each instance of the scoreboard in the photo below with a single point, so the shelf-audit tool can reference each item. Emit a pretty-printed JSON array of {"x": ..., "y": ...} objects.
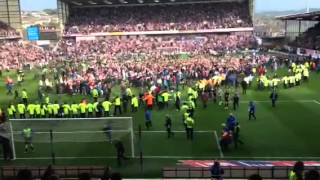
[{"x": 33, "y": 33}]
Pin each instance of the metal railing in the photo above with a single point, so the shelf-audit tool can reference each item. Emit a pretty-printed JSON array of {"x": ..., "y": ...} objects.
[
  {"x": 231, "y": 172},
  {"x": 62, "y": 171}
]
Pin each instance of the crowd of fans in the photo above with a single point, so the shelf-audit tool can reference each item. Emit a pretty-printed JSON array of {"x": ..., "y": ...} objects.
[
  {"x": 141, "y": 60},
  {"x": 155, "y": 46},
  {"x": 7, "y": 31},
  {"x": 159, "y": 18},
  {"x": 309, "y": 39},
  {"x": 16, "y": 54},
  {"x": 78, "y": 77}
]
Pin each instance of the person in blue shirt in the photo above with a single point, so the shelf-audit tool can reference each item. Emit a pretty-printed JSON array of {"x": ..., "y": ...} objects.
[
  {"x": 147, "y": 115},
  {"x": 216, "y": 170},
  {"x": 252, "y": 110},
  {"x": 231, "y": 122}
]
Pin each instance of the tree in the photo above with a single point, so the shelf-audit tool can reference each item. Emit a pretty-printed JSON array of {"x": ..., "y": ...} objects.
[{"x": 51, "y": 11}]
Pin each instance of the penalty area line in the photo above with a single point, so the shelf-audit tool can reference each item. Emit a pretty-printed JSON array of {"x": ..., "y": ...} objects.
[
  {"x": 176, "y": 131},
  {"x": 281, "y": 101},
  {"x": 317, "y": 102},
  {"x": 218, "y": 144}
]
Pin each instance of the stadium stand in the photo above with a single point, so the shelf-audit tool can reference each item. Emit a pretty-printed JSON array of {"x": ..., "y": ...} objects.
[
  {"x": 7, "y": 31},
  {"x": 159, "y": 18},
  {"x": 145, "y": 58},
  {"x": 309, "y": 39}
]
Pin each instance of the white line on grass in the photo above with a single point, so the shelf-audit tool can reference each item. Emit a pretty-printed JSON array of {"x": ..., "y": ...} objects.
[
  {"x": 282, "y": 101},
  {"x": 315, "y": 101},
  {"x": 218, "y": 144},
  {"x": 175, "y": 131},
  {"x": 94, "y": 132},
  {"x": 181, "y": 157}
]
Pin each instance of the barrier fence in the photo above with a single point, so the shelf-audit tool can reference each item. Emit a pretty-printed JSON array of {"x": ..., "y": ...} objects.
[
  {"x": 169, "y": 172},
  {"x": 232, "y": 172},
  {"x": 63, "y": 171}
]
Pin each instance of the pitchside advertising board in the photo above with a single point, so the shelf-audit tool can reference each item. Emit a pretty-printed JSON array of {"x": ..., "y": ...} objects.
[
  {"x": 208, "y": 163},
  {"x": 33, "y": 33}
]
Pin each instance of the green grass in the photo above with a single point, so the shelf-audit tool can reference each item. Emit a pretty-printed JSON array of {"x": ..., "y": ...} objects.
[{"x": 286, "y": 132}]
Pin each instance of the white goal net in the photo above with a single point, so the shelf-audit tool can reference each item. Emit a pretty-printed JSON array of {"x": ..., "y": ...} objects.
[{"x": 73, "y": 137}]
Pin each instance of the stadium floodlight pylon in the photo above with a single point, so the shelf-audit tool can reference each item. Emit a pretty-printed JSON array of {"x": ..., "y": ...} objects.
[{"x": 74, "y": 130}]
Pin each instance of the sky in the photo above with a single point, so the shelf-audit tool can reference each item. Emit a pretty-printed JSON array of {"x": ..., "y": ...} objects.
[
  {"x": 282, "y": 5},
  {"x": 261, "y": 5}
]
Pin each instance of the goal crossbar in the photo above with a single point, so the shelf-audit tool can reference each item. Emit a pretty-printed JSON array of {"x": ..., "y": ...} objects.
[{"x": 128, "y": 128}]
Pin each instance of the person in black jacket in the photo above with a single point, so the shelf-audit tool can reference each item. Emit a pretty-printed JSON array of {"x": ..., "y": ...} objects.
[
  {"x": 236, "y": 136},
  {"x": 274, "y": 97},
  {"x": 236, "y": 101},
  {"x": 244, "y": 86},
  {"x": 120, "y": 152},
  {"x": 216, "y": 170},
  {"x": 168, "y": 126},
  {"x": 5, "y": 137}
]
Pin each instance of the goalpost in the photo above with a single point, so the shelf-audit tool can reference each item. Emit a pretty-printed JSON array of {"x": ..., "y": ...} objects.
[{"x": 73, "y": 137}]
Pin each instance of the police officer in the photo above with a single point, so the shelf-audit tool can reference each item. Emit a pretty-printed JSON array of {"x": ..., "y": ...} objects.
[
  {"x": 75, "y": 110},
  {"x": 117, "y": 106},
  {"x": 11, "y": 111},
  {"x": 165, "y": 96},
  {"x": 37, "y": 108},
  {"x": 189, "y": 122},
  {"x": 98, "y": 108},
  {"x": 24, "y": 96},
  {"x": 22, "y": 110},
  {"x": 83, "y": 109},
  {"x": 90, "y": 108},
  {"x": 43, "y": 110},
  {"x": 66, "y": 110},
  {"x": 106, "y": 107},
  {"x": 31, "y": 110},
  {"x": 134, "y": 104},
  {"x": 55, "y": 109},
  {"x": 95, "y": 94},
  {"x": 50, "y": 110}
]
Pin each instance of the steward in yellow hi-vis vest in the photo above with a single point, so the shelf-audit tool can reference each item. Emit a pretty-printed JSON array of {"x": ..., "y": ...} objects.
[
  {"x": 117, "y": 105},
  {"x": 134, "y": 104}
]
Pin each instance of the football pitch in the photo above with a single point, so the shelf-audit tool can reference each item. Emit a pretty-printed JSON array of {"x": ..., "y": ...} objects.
[{"x": 287, "y": 132}]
